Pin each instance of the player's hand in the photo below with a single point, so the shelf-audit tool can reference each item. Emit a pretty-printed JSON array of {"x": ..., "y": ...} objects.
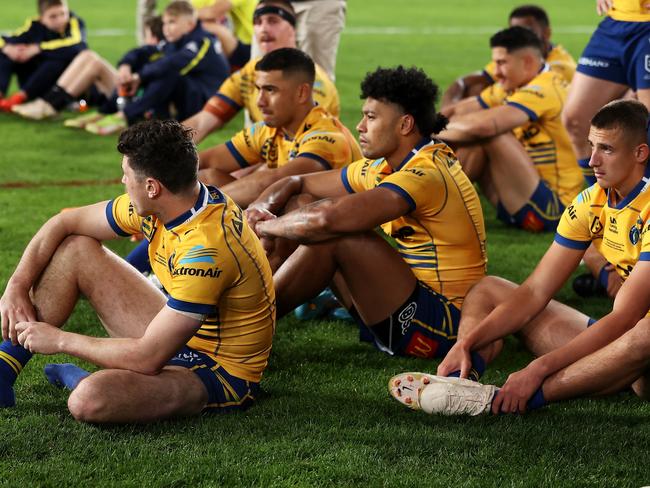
[
  {"x": 602, "y": 6},
  {"x": 15, "y": 306},
  {"x": 458, "y": 358},
  {"x": 132, "y": 86},
  {"x": 28, "y": 52},
  {"x": 13, "y": 51},
  {"x": 517, "y": 390},
  {"x": 124, "y": 74},
  {"x": 255, "y": 214},
  {"x": 39, "y": 337},
  {"x": 614, "y": 281}
]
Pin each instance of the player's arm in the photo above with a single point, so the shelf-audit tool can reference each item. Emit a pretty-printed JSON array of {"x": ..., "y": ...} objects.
[
  {"x": 166, "y": 334},
  {"x": 220, "y": 158},
  {"x": 215, "y": 11},
  {"x": 483, "y": 124},
  {"x": 463, "y": 87},
  {"x": 15, "y": 304},
  {"x": 203, "y": 123},
  {"x": 465, "y": 106},
  {"x": 246, "y": 189},
  {"x": 330, "y": 217}
]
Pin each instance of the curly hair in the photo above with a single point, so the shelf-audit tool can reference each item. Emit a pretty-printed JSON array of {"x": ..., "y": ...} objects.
[
  {"x": 412, "y": 90},
  {"x": 515, "y": 38},
  {"x": 164, "y": 150}
]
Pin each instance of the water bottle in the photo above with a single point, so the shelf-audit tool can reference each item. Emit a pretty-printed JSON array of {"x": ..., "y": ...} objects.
[{"x": 122, "y": 99}]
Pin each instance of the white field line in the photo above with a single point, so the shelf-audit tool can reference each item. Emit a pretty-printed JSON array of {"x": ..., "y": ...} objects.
[{"x": 388, "y": 31}]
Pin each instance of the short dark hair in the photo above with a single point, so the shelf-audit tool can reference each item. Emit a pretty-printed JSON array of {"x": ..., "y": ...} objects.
[
  {"x": 630, "y": 116},
  {"x": 155, "y": 25},
  {"x": 43, "y": 5},
  {"x": 164, "y": 150},
  {"x": 534, "y": 11},
  {"x": 412, "y": 90},
  {"x": 290, "y": 61},
  {"x": 515, "y": 38}
]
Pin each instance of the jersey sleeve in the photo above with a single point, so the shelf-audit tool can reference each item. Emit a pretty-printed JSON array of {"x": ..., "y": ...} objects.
[
  {"x": 200, "y": 275},
  {"x": 535, "y": 99},
  {"x": 420, "y": 187},
  {"x": 575, "y": 229},
  {"x": 353, "y": 178},
  {"x": 492, "y": 96},
  {"x": 489, "y": 71},
  {"x": 331, "y": 149},
  {"x": 122, "y": 217},
  {"x": 246, "y": 145}
]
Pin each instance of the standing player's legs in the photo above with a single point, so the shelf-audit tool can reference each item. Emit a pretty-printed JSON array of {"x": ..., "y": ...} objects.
[
  {"x": 106, "y": 280},
  {"x": 378, "y": 279},
  {"x": 552, "y": 328}
]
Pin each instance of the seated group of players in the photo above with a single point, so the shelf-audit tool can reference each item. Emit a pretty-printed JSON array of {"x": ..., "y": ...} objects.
[{"x": 313, "y": 198}]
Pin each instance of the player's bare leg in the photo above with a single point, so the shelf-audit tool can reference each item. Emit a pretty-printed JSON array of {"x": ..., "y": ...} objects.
[
  {"x": 86, "y": 69},
  {"x": 378, "y": 279},
  {"x": 473, "y": 159}
]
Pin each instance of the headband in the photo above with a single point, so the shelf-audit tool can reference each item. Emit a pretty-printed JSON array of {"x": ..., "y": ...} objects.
[{"x": 272, "y": 9}]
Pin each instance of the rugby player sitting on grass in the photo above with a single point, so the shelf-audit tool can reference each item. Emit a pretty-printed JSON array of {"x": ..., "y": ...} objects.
[
  {"x": 408, "y": 297},
  {"x": 576, "y": 356}
]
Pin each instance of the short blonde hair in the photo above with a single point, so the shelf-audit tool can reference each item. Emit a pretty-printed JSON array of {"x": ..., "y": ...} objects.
[{"x": 178, "y": 8}]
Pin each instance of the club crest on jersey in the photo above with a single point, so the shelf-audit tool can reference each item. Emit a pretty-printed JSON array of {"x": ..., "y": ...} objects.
[{"x": 646, "y": 64}]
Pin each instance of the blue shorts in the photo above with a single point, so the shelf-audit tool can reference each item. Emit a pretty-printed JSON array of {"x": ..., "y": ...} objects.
[
  {"x": 619, "y": 52},
  {"x": 225, "y": 391},
  {"x": 540, "y": 214},
  {"x": 425, "y": 326}
]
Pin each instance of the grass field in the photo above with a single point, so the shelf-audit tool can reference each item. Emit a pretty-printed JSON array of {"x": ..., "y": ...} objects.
[{"x": 325, "y": 417}]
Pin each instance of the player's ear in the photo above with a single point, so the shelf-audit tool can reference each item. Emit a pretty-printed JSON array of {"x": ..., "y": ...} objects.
[
  {"x": 304, "y": 92},
  {"x": 642, "y": 152},
  {"x": 153, "y": 188},
  {"x": 407, "y": 124}
]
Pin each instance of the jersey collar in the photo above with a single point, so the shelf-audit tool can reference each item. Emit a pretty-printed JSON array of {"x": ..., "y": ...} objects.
[
  {"x": 640, "y": 187},
  {"x": 201, "y": 203},
  {"x": 424, "y": 142}
]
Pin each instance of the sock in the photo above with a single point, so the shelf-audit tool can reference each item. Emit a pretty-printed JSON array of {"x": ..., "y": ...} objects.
[
  {"x": 478, "y": 368},
  {"x": 536, "y": 401},
  {"x": 603, "y": 277},
  {"x": 587, "y": 172},
  {"x": 139, "y": 257},
  {"x": 65, "y": 375},
  {"x": 58, "y": 98},
  {"x": 12, "y": 360}
]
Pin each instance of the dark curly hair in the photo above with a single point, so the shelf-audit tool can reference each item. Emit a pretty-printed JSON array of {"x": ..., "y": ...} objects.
[
  {"x": 514, "y": 38},
  {"x": 412, "y": 90},
  {"x": 164, "y": 150}
]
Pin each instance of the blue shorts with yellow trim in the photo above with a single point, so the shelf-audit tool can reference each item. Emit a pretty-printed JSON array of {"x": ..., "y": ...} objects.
[
  {"x": 425, "y": 326},
  {"x": 620, "y": 52},
  {"x": 540, "y": 214},
  {"x": 225, "y": 391}
]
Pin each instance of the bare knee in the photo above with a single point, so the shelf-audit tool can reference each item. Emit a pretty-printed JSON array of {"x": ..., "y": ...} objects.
[
  {"x": 88, "y": 402},
  {"x": 575, "y": 123},
  {"x": 493, "y": 288},
  {"x": 74, "y": 246}
]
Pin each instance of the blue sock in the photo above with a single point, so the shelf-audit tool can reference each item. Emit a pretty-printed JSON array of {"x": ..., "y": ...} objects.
[
  {"x": 478, "y": 368},
  {"x": 603, "y": 277},
  {"x": 536, "y": 401},
  {"x": 139, "y": 257},
  {"x": 587, "y": 172},
  {"x": 12, "y": 360},
  {"x": 65, "y": 375}
]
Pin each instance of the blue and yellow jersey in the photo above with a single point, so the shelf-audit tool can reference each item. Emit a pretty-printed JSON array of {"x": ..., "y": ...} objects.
[
  {"x": 52, "y": 44},
  {"x": 239, "y": 91},
  {"x": 544, "y": 137},
  {"x": 211, "y": 264},
  {"x": 321, "y": 137},
  {"x": 558, "y": 59},
  {"x": 621, "y": 232},
  {"x": 197, "y": 55},
  {"x": 630, "y": 10},
  {"x": 442, "y": 237}
]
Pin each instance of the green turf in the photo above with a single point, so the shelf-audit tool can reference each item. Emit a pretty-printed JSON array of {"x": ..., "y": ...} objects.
[{"x": 325, "y": 417}]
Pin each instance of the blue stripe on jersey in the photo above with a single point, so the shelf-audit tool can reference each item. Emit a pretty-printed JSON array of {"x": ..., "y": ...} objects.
[
  {"x": 531, "y": 115},
  {"x": 400, "y": 191},
  {"x": 481, "y": 102},
  {"x": 423, "y": 265},
  {"x": 111, "y": 221},
  {"x": 414, "y": 248},
  {"x": 235, "y": 154},
  {"x": 570, "y": 243},
  {"x": 229, "y": 101},
  {"x": 417, "y": 257},
  {"x": 645, "y": 181},
  {"x": 489, "y": 77},
  {"x": 316, "y": 157},
  {"x": 344, "y": 179},
  {"x": 201, "y": 201},
  {"x": 200, "y": 308},
  {"x": 644, "y": 256}
]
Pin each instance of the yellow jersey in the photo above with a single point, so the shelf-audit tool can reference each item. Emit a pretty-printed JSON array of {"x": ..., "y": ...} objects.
[
  {"x": 241, "y": 13},
  {"x": 239, "y": 91},
  {"x": 544, "y": 136},
  {"x": 621, "y": 232},
  {"x": 558, "y": 59},
  {"x": 321, "y": 137},
  {"x": 630, "y": 10},
  {"x": 211, "y": 264},
  {"x": 442, "y": 238}
]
